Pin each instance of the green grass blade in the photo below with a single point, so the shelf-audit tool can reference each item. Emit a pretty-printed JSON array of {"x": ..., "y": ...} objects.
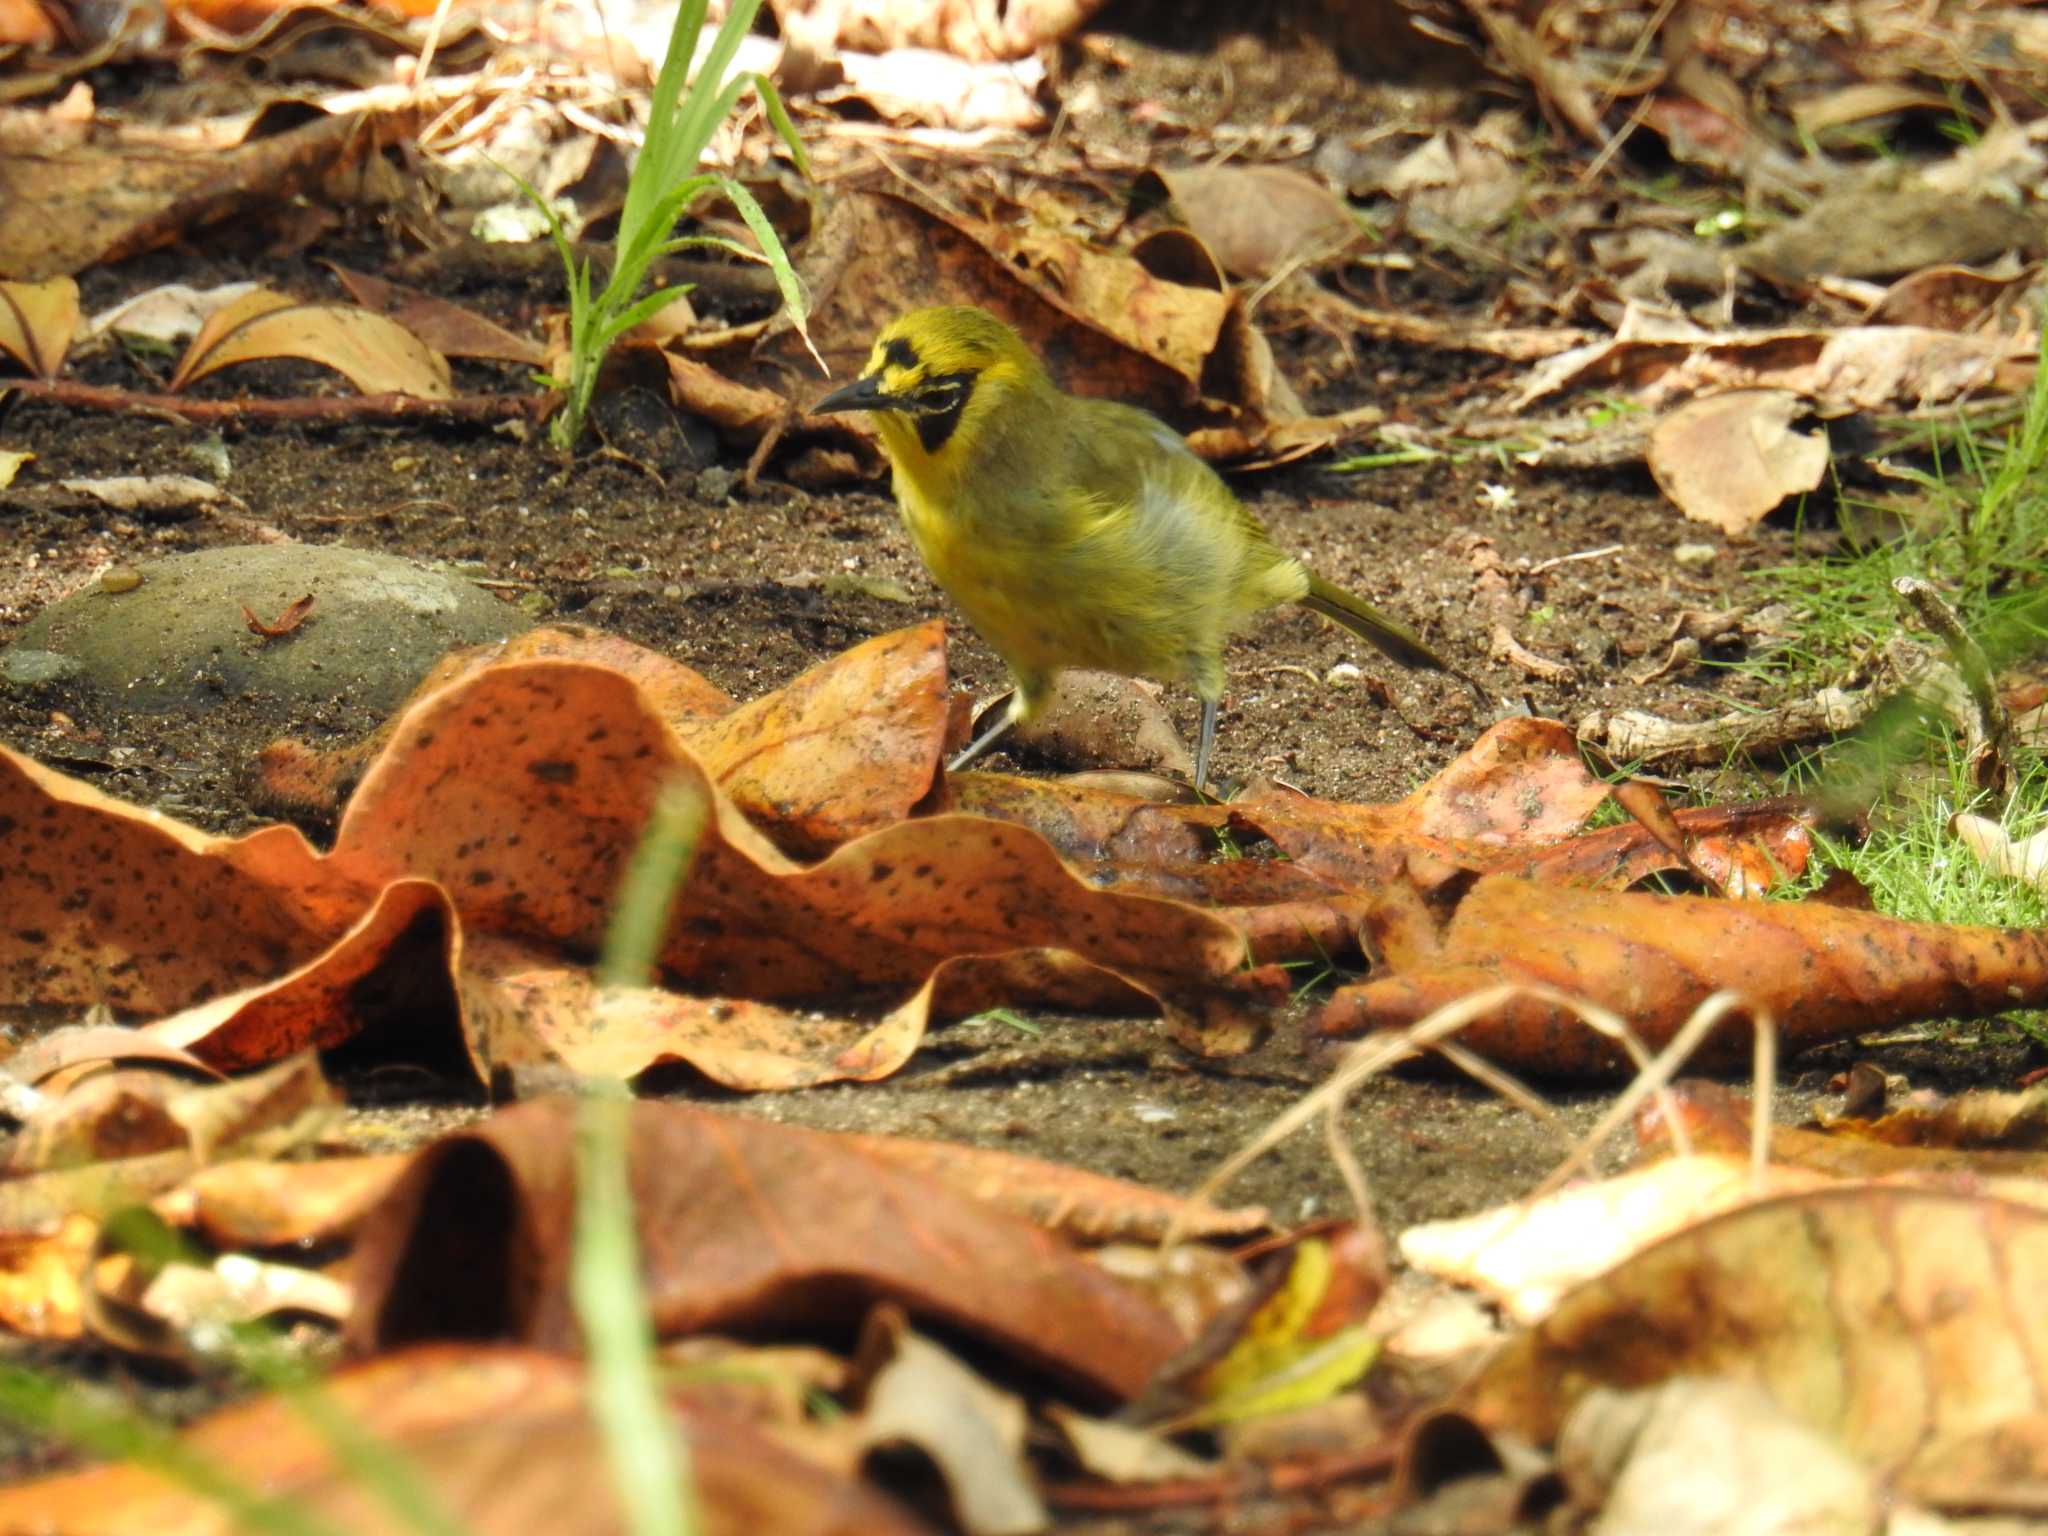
[
  {"x": 784, "y": 126},
  {"x": 663, "y": 109},
  {"x": 66, "y": 1413},
  {"x": 649, "y": 1458},
  {"x": 706, "y": 105},
  {"x": 778, "y": 259},
  {"x": 652, "y": 304}
]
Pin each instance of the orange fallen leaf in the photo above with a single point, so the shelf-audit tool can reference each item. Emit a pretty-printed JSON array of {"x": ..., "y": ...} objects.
[
  {"x": 377, "y": 355},
  {"x": 287, "y": 621},
  {"x": 500, "y": 1437},
  {"x": 38, "y": 321},
  {"x": 1823, "y": 972}
]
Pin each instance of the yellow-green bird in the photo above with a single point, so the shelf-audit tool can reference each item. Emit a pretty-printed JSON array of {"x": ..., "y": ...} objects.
[{"x": 1072, "y": 532}]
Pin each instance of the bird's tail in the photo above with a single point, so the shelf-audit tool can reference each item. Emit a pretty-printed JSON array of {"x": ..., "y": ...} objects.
[{"x": 1368, "y": 623}]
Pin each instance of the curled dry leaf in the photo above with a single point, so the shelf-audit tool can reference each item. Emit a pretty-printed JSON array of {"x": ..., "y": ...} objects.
[
  {"x": 1905, "y": 1323},
  {"x": 847, "y": 748},
  {"x": 521, "y": 791},
  {"x": 1261, "y": 219},
  {"x": 487, "y": 841},
  {"x": 1866, "y": 367},
  {"x": 1822, "y": 972},
  {"x": 244, "y": 1203},
  {"x": 919, "y": 1394},
  {"x": 37, "y": 323},
  {"x": 296, "y": 774},
  {"x": 377, "y": 355},
  {"x": 741, "y": 1224},
  {"x": 1525, "y": 1255},
  {"x": 289, "y": 619},
  {"x": 1730, "y": 458}
]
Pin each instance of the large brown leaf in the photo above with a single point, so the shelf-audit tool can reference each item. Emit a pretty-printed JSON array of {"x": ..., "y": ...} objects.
[{"x": 742, "y": 1225}]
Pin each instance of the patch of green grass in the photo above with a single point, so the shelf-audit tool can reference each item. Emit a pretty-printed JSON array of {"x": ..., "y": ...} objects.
[
  {"x": 1009, "y": 1018},
  {"x": 1981, "y": 541},
  {"x": 682, "y": 115},
  {"x": 1911, "y": 863}
]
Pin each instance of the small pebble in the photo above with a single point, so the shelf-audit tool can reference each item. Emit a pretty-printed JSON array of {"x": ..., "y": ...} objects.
[
  {"x": 1695, "y": 554},
  {"x": 120, "y": 578}
]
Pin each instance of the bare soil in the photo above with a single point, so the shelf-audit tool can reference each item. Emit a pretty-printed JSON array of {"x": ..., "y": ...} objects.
[
  {"x": 661, "y": 542},
  {"x": 734, "y": 583}
]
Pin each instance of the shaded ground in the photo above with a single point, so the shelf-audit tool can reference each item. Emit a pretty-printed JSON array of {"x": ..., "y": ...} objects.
[
  {"x": 664, "y": 547},
  {"x": 737, "y": 587}
]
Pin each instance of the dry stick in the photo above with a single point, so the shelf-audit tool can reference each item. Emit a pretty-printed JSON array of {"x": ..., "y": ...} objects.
[
  {"x": 1653, "y": 1078},
  {"x": 480, "y": 410},
  {"x": 1369, "y": 1057},
  {"x": 1994, "y": 724}
]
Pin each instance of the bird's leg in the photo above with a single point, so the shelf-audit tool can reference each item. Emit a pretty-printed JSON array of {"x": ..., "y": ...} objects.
[
  {"x": 1026, "y": 697},
  {"x": 1205, "y": 743},
  {"x": 984, "y": 741}
]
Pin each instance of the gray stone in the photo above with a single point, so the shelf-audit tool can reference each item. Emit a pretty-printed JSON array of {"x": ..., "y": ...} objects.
[
  {"x": 21, "y": 667},
  {"x": 181, "y": 643}
]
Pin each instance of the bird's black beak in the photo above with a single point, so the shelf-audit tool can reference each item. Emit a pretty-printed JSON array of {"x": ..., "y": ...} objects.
[{"x": 863, "y": 394}]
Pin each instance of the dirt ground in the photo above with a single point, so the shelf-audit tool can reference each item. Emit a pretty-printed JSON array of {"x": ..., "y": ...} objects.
[
  {"x": 735, "y": 587},
  {"x": 740, "y": 584}
]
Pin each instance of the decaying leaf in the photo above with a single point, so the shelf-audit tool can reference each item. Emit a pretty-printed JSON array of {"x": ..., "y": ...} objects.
[
  {"x": 1822, "y": 972},
  {"x": 377, "y": 355},
  {"x": 1261, "y": 219},
  {"x": 482, "y": 1206},
  {"x": 1900, "y": 1321},
  {"x": 1729, "y": 459},
  {"x": 37, "y": 323}
]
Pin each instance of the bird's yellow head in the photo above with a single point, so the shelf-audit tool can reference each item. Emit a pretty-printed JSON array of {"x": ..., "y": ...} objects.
[{"x": 934, "y": 377}]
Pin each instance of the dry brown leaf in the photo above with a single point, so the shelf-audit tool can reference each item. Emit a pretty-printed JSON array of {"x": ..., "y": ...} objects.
[
  {"x": 1526, "y": 1254},
  {"x": 570, "y": 757},
  {"x": 143, "y": 913},
  {"x": 1729, "y": 459},
  {"x": 37, "y": 323},
  {"x": 1261, "y": 219},
  {"x": 1903, "y": 1323},
  {"x": 244, "y": 1203},
  {"x": 295, "y": 774},
  {"x": 447, "y": 327},
  {"x": 377, "y": 355},
  {"x": 846, "y": 748},
  {"x": 742, "y": 1224},
  {"x": 1854, "y": 368},
  {"x": 72, "y": 205}
]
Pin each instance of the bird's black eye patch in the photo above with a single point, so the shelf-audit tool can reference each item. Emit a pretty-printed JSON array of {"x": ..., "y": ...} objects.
[
  {"x": 899, "y": 353},
  {"x": 939, "y": 404}
]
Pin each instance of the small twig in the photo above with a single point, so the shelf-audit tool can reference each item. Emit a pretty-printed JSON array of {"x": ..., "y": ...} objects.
[
  {"x": 336, "y": 409},
  {"x": 1584, "y": 554},
  {"x": 1993, "y": 724}
]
